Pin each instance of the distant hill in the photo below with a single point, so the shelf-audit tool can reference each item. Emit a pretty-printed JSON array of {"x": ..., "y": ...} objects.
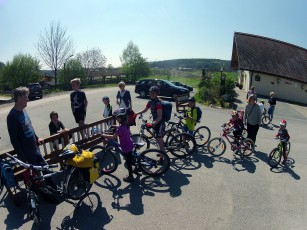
[{"x": 194, "y": 63}]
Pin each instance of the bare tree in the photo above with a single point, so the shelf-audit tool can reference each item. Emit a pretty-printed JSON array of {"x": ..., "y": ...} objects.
[
  {"x": 91, "y": 60},
  {"x": 55, "y": 46}
]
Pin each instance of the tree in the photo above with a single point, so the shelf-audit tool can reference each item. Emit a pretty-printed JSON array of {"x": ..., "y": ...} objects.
[
  {"x": 22, "y": 70},
  {"x": 133, "y": 64},
  {"x": 54, "y": 47},
  {"x": 73, "y": 69},
  {"x": 91, "y": 60}
]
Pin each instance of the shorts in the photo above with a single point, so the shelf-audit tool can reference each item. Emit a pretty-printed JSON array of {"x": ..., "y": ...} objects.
[
  {"x": 79, "y": 115},
  {"x": 159, "y": 130},
  {"x": 186, "y": 130}
]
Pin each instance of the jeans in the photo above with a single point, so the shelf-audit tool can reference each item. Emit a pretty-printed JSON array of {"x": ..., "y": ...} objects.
[{"x": 271, "y": 112}]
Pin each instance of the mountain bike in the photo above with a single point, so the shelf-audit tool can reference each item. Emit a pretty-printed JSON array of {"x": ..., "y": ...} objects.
[
  {"x": 74, "y": 181},
  {"x": 177, "y": 143},
  {"x": 243, "y": 147},
  {"x": 201, "y": 134},
  {"x": 153, "y": 162},
  {"x": 276, "y": 154}
]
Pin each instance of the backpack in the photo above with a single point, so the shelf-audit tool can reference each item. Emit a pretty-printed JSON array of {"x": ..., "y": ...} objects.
[
  {"x": 199, "y": 114},
  {"x": 166, "y": 110},
  {"x": 7, "y": 174}
]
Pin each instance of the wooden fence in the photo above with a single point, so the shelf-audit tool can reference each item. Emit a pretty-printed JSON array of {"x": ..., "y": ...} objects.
[{"x": 51, "y": 148}]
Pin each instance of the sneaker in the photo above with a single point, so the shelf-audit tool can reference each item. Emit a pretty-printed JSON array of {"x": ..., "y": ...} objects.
[{"x": 128, "y": 179}]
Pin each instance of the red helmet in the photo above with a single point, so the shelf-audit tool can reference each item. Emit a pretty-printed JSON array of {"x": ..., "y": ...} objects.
[{"x": 283, "y": 123}]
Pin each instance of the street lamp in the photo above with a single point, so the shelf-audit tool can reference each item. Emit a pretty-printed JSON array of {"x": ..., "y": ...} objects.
[{"x": 65, "y": 65}]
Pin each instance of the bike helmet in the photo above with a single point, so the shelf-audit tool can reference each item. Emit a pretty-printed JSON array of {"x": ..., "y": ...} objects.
[
  {"x": 119, "y": 112},
  {"x": 234, "y": 113},
  {"x": 283, "y": 123},
  {"x": 69, "y": 151},
  {"x": 154, "y": 89},
  {"x": 192, "y": 99},
  {"x": 106, "y": 98}
]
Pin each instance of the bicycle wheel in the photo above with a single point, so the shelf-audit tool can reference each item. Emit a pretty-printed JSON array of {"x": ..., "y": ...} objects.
[
  {"x": 153, "y": 162},
  {"x": 265, "y": 120},
  {"x": 217, "y": 146},
  {"x": 244, "y": 133},
  {"x": 138, "y": 138},
  {"x": 78, "y": 184},
  {"x": 247, "y": 147},
  {"x": 274, "y": 158},
  {"x": 202, "y": 135},
  {"x": 288, "y": 147},
  {"x": 33, "y": 208},
  {"x": 182, "y": 145},
  {"x": 107, "y": 161}
]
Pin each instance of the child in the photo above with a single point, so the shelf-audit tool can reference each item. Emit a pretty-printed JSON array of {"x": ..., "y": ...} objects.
[
  {"x": 78, "y": 102},
  {"x": 236, "y": 123},
  {"x": 284, "y": 136},
  {"x": 126, "y": 143},
  {"x": 107, "y": 112},
  {"x": 56, "y": 126},
  {"x": 191, "y": 117},
  {"x": 261, "y": 105}
]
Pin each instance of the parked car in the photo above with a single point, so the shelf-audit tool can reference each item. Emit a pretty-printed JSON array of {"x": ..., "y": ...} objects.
[
  {"x": 35, "y": 90},
  {"x": 190, "y": 88},
  {"x": 167, "y": 89}
]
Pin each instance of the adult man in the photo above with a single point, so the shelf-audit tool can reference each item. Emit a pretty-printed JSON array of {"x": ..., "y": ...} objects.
[
  {"x": 22, "y": 134},
  {"x": 155, "y": 107}
]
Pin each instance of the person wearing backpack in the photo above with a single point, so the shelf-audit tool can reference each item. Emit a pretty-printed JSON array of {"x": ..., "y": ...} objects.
[
  {"x": 190, "y": 117},
  {"x": 156, "y": 108},
  {"x": 123, "y": 97}
]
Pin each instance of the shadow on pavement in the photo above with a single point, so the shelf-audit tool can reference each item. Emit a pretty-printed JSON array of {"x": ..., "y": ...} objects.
[
  {"x": 247, "y": 164},
  {"x": 88, "y": 214},
  {"x": 287, "y": 169}
]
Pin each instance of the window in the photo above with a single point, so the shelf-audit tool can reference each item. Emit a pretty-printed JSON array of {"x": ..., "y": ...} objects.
[{"x": 257, "y": 78}]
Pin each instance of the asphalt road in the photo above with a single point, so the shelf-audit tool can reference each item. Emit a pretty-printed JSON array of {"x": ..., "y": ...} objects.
[{"x": 196, "y": 193}]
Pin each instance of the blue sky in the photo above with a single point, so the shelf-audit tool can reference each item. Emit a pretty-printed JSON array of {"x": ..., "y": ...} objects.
[{"x": 162, "y": 29}]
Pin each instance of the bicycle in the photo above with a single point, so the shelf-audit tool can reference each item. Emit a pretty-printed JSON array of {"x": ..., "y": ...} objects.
[
  {"x": 243, "y": 146},
  {"x": 153, "y": 162},
  {"x": 74, "y": 184},
  {"x": 177, "y": 143},
  {"x": 276, "y": 154}
]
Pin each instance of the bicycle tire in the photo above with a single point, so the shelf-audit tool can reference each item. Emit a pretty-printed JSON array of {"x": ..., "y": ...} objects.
[
  {"x": 202, "y": 135},
  {"x": 247, "y": 147},
  {"x": 288, "y": 148},
  {"x": 216, "y": 143},
  {"x": 153, "y": 162},
  {"x": 181, "y": 145},
  {"x": 138, "y": 138},
  {"x": 274, "y": 158},
  {"x": 265, "y": 120},
  {"x": 107, "y": 161},
  {"x": 77, "y": 183},
  {"x": 244, "y": 133},
  {"x": 34, "y": 213}
]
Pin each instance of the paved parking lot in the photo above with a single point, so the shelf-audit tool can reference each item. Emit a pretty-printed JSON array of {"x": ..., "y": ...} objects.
[{"x": 200, "y": 192}]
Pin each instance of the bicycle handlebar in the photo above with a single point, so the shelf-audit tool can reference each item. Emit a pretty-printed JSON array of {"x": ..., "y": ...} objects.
[{"x": 30, "y": 166}]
